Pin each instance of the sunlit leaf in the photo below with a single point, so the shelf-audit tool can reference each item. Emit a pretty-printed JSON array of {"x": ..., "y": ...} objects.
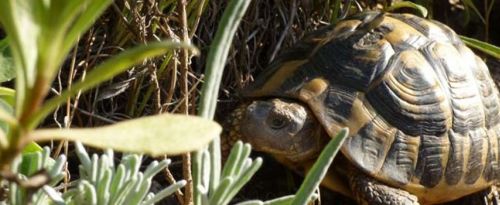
[
  {"x": 6, "y": 110},
  {"x": 9, "y": 95},
  {"x": 408, "y": 4},
  {"x": 20, "y": 23},
  {"x": 153, "y": 135},
  {"x": 32, "y": 147},
  {"x": 482, "y": 46}
]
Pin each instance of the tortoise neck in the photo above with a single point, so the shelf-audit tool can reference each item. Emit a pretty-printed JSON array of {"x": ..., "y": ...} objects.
[{"x": 231, "y": 130}]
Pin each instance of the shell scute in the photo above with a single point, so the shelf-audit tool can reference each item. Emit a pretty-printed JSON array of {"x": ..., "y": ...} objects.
[
  {"x": 399, "y": 165},
  {"x": 357, "y": 65},
  {"x": 410, "y": 98},
  {"x": 491, "y": 170},
  {"x": 370, "y": 145},
  {"x": 456, "y": 162},
  {"x": 459, "y": 85},
  {"x": 475, "y": 163},
  {"x": 432, "y": 155}
]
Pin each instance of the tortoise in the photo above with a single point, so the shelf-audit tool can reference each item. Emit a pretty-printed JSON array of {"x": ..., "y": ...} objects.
[{"x": 421, "y": 108}]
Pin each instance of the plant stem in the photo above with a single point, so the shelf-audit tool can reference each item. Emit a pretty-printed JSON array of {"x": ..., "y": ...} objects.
[{"x": 184, "y": 57}]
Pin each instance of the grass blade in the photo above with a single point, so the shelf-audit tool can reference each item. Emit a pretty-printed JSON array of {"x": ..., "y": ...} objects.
[
  {"x": 104, "y": 72},
  {"x": 319, "y": 169},
  {"x": 284, "y": 200},
  {"x": 216, "y": 61},
  {"x": 408, "y": 4},
  {"x": 482, "y": 46}
]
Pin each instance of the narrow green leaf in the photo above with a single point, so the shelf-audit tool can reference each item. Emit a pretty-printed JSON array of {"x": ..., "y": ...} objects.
[
  {"x": 222, "y": 190},
  {"x": 93, "y": 10},
  {"x": 166, "y": 192},
  {"x": 6, "y": 117},
  {"x": 242, "y": 179},
  {"x": 30, "y": 163},
  {"x": 84, "y": 157},
  {"x": 106, "y": 71},
  {"x": 118, "y": 179},
  {"x": 32, "y": 147},
  {"x": 58, "y": 166},
  {"x": 54, "y": 195},
  {"x": 319, "y": 169},
  {"x": 470, "y": 4},
  {"x": 408, "y": 4},
  {"x": 487, "y": 48},
  {"x": 103, "y": 194},
  {"x": 154, "y": 135},
  {"x": 234, "y": 157},
  {"x": 251, "y": 202},
  {"x": 119, "y": 197},
  {"x": 334, "y": 18},
  {"x": 20, "y": 23},
  {"x": 9, "y": 95},
  {"x": 285, "y": 200},
  {"x": 155, "y": 168},
  {"x": 245, "y": 153},
  {"x": 88, "y": 193},
  {"x": 216, "y": 61}
]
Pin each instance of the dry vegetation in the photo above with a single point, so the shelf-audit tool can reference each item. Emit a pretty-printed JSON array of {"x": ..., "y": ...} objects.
[{"x": 172, "y": 83}]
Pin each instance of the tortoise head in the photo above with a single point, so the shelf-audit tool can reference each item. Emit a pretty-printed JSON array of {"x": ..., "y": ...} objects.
[{"x": 284, "y": 129}]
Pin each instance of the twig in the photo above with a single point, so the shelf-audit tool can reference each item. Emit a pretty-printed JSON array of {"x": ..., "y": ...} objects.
[
  {"x": 289, "y": 24},
  {"x": 170, "y": 178},
  {"x": 184, "y": 57}
]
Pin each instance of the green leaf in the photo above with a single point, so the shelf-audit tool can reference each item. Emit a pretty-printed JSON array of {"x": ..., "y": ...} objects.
[
  {"x": 6, "y": 120},
  {"x": 470, "y": 4},
  {"x": 18, "y": 19},
  {"x": 319, "y": 169},
  {"x": 284, "y": 200},
  {"x": 7, "y": 70},
  {"x": 6, "y": 117},
  {"x": 30, "y": 163},
  {"x": 94, "y": 9},
  {"x": 166, "y": 192},
  {"x": 105, "y": 71},
  {"x": 32, "y": 147},
  {"x": 9, "y": 95},
  {"x": 153, "y": 135},
  {"x": 487, "y": 48},
  {"x": 408, "y": 4},
  {"x": 242, "y": 179},
  {"x": 216, "y": 61},
  {"x": 33, "y": 162}
]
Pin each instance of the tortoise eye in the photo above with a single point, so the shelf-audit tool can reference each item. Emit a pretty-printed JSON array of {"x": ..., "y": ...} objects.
[{"x": 277, "y": 123}]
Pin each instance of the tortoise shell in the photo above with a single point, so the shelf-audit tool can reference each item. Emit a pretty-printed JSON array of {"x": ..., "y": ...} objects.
[{"x": 422, "y": 108}]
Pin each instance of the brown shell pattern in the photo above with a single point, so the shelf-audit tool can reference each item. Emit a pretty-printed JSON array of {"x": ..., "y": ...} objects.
[{"x": 422, "y": 109}]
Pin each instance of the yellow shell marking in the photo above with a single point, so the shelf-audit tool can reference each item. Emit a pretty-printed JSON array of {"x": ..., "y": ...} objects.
[
  {"x": 313, "y": 88},
  {"x": 285, "y": 71}
]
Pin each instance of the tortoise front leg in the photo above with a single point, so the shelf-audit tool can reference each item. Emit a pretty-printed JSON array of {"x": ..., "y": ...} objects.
[{"x": 367, "y": 190}]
